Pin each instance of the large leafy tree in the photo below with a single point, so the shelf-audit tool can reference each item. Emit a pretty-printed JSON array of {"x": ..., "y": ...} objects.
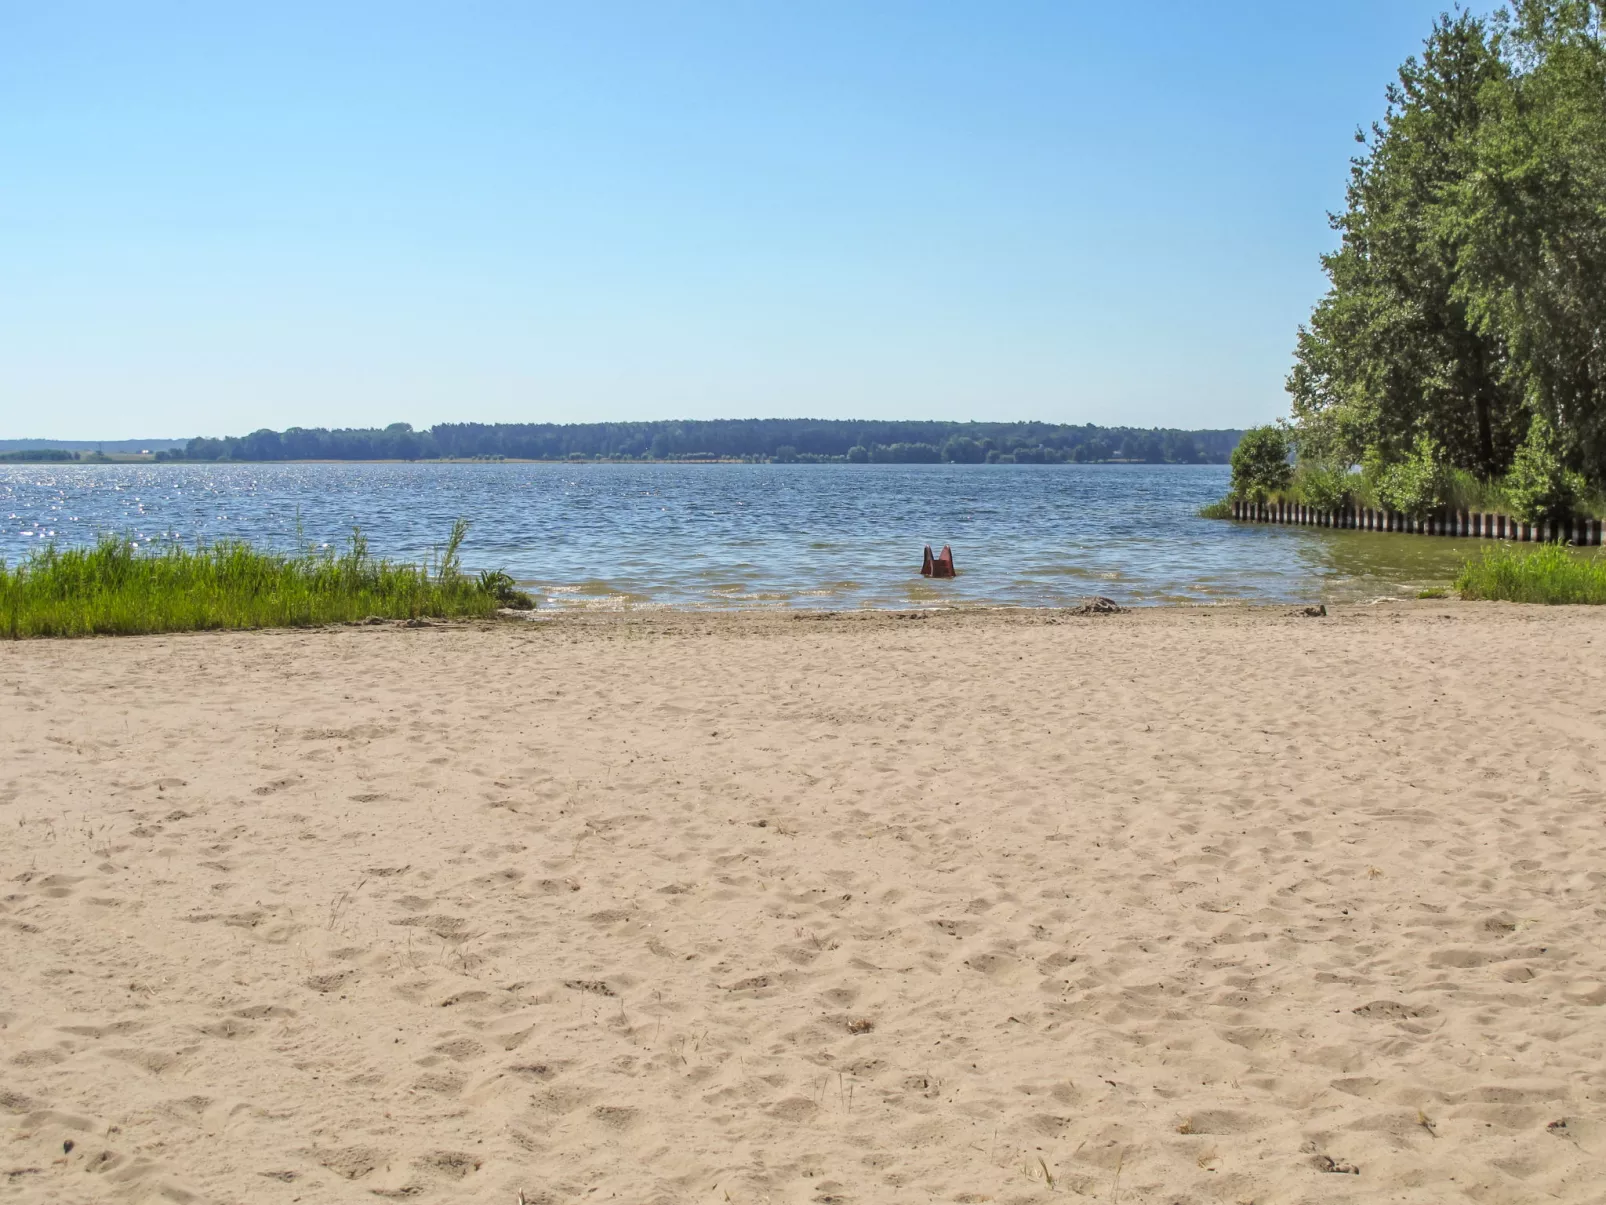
[
  {"x": 1469, "y": 289},
  {"x": 1532, "y": 220}
]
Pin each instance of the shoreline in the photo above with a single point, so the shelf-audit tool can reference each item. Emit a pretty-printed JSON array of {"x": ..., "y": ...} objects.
[{"x": 979, "y": 614}]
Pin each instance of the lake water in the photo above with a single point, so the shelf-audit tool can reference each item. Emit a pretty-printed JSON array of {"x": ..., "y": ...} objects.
[{"x": 728, "y": 535}]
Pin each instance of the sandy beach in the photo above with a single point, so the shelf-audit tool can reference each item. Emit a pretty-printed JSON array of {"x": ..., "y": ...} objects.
[{"x": 1176, "y": 906}]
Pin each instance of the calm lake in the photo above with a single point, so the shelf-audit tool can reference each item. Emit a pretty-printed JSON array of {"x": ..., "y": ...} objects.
[{"x": 729, "y": 535}]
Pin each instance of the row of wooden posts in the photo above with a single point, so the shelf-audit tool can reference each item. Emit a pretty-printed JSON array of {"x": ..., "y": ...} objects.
[{"x": 1474, "y": 524}]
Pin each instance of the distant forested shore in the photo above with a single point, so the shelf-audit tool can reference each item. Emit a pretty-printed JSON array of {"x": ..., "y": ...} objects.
[{"x": 783, "y": 441}]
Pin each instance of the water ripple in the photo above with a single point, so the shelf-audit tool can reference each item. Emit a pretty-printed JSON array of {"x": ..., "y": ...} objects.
[{"x": 725, "y": 536}]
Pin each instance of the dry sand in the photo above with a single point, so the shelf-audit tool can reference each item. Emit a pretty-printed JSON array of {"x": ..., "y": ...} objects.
[{"x": 1161, "y": 907}]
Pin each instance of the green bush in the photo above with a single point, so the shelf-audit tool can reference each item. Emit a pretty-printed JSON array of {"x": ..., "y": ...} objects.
[
  {"x": 1324, "y": 485},
  {"x": 1547, "y": 574},
  {"x": 1260, "y": 465},
  {"x": 1417, "y": 486},
  {"x": 1539, "y": 486}
]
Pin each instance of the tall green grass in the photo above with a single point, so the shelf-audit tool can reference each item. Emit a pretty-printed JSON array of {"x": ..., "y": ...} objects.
[
  {"x": 116, "y": 589},
  {"x": 1547, "y": 574}
]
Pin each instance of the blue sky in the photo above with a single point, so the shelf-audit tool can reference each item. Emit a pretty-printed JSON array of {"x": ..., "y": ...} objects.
[{"x": 220, "y": 217}]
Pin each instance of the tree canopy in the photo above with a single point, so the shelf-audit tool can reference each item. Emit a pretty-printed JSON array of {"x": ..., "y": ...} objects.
[{"x": 1467, "y": 297}]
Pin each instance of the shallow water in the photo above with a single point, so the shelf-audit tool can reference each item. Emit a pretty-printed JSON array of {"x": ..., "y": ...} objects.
[{"x": 724, "y": 535}]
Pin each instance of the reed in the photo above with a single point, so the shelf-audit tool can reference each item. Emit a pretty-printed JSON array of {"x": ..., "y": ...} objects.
[
  {"x": 116, "y": 589},
  {"x": 1546, "y": 574}
]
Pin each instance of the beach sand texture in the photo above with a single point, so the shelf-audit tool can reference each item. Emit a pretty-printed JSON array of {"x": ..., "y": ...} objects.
[{"x": 1175, "y": 906}]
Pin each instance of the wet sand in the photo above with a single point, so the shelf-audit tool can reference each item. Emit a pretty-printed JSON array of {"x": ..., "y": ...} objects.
[{"x": 1172, "y": 906}]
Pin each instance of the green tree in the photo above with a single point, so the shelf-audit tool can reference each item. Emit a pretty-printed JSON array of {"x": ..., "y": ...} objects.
[
  {"x": 1533, "y": 265},
  {"x": 1260, "y": 465},
  {"x": 1539, "y": 485},
  {"x": 1415, "y": 485},
  {"x": 961, "y": 449},
  {"x": 1469, "y": 289},
  {"x": 1391, "y": 352}
]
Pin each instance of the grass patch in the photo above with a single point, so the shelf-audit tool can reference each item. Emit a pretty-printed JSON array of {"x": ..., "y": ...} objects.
[
  {"x": 1433, "y": 592},
  {"x": 1219, "y": 509},
  {"x": 1547, "y": 574},
  {"x": 113, "y": 589}
]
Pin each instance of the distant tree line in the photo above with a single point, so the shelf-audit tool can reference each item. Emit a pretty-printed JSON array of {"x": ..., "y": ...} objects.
[
  {"x": 39, "y": 456},
  {"x": 779, "y": 440},
  {"x": 1459, "y": 355}
]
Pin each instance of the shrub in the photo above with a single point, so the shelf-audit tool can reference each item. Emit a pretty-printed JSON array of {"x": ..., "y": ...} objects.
[
  {"x": 500, "y": 586},
  {"x": 1324, "y": 485},
  {"x": 1417, "y": 486},
  {"x": 858, "y": 454},
  {"x": 1547, "y": 574},
  {"x": 1539, "y": 486},
  {"x": 1260, "y": 465}
]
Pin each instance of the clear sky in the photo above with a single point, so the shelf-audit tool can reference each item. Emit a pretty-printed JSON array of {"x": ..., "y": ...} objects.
[{"x": 217, "y": 217}]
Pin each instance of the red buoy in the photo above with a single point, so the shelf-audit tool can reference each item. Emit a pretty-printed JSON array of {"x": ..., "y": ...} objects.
[{"x": 941, "y": 565}]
